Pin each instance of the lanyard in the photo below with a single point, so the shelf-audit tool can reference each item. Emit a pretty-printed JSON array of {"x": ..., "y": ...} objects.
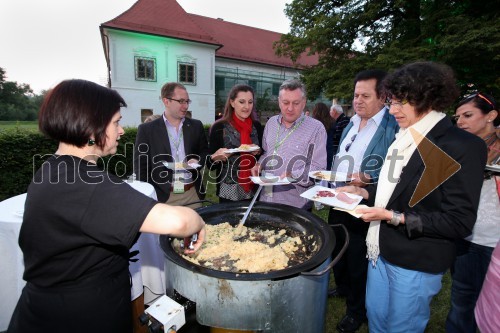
[
  {"x": 177, "y": 143},
  {"x": 277, "y": 143}
]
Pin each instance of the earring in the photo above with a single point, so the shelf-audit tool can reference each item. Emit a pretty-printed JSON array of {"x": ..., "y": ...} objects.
[{"x": 91, "y": 142}]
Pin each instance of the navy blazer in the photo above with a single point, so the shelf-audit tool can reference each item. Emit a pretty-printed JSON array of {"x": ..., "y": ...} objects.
[
  {"x": 426, "y": 241},
  {"x": 152, "y": 146},
  {"x": 377, "y": 148}
]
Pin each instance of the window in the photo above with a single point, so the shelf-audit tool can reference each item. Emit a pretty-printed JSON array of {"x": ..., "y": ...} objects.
[
  {"x": 145, "y": 69},
  {"x": 187, "y": 73},
  {"x": 276, "y": 89},
  {"x": 253, "y": 84},
  {"x": 219, "y": 83}
]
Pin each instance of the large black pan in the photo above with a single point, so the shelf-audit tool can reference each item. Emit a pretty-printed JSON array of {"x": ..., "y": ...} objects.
[{"x": 262, "y": 214}]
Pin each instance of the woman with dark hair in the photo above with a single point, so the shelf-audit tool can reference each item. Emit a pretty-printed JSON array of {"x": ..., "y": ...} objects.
[
  {"x": 477, "y": 114},
  {"x": 321, "y": 112},
  {"x": 426, "y": 198},
  {"x": 80, "y": 221},
  {"x": 238, "y": 126}
]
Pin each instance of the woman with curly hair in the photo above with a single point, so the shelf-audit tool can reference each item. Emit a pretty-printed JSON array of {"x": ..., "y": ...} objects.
[{"x": 426, "y": 198}]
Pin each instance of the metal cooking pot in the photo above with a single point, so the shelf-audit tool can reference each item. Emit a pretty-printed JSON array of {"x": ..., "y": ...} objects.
[{"x": 287, "y": 300}]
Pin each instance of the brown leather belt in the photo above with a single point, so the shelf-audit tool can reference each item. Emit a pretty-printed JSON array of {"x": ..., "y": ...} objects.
[{"x": 187, "y": 187}]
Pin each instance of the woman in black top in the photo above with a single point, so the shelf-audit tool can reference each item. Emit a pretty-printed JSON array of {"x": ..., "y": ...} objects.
[
  {"x": 80, "y": 222},
  {"x": 237, "y": 127}
]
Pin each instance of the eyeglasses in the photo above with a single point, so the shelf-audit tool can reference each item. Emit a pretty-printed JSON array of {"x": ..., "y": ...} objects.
[
  {"x": 181, "y": 101},
  {"x": 348, "y": 146},
  {"x": 390, "y": 103},
  {"x": 478, "y": 94}
]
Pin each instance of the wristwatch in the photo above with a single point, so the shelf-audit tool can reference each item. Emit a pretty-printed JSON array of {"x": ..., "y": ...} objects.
[{"x": 396, "y": 218}]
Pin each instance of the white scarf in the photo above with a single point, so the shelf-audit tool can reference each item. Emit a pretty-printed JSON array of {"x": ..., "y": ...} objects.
[{"x": 404, "y": 146}]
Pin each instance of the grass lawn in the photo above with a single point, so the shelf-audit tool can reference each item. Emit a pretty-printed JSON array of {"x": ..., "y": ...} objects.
[
  {"x": 336, "y": 306},
  {"x": 6, "y": 125}
]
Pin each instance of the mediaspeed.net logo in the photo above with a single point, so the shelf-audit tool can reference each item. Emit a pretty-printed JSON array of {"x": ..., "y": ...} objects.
[{"x": 433, "y": 176}]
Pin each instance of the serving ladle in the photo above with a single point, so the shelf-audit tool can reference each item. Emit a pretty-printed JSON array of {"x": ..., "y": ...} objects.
[{"x": 239, "y": 228}]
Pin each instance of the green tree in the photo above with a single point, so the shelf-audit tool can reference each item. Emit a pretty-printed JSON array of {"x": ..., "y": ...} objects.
[
  {"x": 352, "y": 35},
  {"x": 17, "y": 101}
]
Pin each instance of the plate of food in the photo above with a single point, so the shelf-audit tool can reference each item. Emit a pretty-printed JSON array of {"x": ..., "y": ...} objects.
[
  {"x": 332, "y": 198},
  {"x": 181, "y": 165},
  {"x": 329, "y": 176},
  {"x": 271, "y": 180},
  {"x": 242, "y": 149},
  {"x": 493, "y": 167}
]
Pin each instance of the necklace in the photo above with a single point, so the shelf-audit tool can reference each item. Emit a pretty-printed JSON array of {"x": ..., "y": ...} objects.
[
  {"x": 490, "y": 141},
  {"x": 489, "y": 137},
  {"x": 493, "y": 148}
]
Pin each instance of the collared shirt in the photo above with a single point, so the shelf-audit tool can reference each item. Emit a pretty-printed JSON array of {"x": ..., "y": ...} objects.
[
  {"x": 176, "y": 140},
  {"x": 299, "y": 150},
  {"x": 357, "y": 147}
]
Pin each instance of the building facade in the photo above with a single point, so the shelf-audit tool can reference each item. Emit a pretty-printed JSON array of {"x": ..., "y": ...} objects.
[{"x": 156, "y": 41}]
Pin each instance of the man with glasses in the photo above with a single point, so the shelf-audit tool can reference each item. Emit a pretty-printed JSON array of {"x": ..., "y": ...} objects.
[
  {"x": 170, "y": 151},
  {"x": 293, "y": 145},
  {"x": 361, "y": 153}
]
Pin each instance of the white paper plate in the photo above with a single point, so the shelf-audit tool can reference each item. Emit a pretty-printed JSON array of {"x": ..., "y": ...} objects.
[
  {"x": 312, "y": 194},
  {"x": 495, "y": 167},
  {"x": 180, "y": 166},
  {"x": 270, "y": 181},
  {"x": 238, "y": 150},
  {"x": 352, "y": 212},
  {"x": 329, "y": 176}
]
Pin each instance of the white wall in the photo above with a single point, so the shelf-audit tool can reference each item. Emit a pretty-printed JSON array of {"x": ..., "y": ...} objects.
[{"x": 146, "y": 95}]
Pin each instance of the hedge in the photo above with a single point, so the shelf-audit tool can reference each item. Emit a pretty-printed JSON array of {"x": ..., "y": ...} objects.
[
  {"x": 20, "y": 154},
  {"x": 23, "y": 151}
]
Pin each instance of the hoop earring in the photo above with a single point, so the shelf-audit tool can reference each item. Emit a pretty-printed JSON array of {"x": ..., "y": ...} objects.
[{"x": 91, "y": 142}]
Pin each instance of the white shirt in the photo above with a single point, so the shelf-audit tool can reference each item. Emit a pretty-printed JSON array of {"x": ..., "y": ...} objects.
[
  {"x": 350, "y": 161},
  {"x": 486, "y": 231}
]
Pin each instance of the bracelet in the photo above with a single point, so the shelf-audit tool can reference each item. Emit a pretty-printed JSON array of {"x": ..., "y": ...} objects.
[{"x": 396, "y": 218}]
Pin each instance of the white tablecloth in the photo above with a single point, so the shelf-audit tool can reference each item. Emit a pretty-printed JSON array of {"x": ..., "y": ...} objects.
[
  {"x": 11, "y": 263},
  {"x": 148, "y": 271},
  {"x": 148, "y": 274}
]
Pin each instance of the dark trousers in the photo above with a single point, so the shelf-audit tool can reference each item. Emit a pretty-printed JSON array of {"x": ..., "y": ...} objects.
[
  {"x": 351, "y": 271},
  {"x": 467, "y": 272}
]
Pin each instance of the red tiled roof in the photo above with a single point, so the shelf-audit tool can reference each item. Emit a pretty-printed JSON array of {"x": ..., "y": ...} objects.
[
  {"x": 161, "y": 18},
  {"x": 247, "y": 43},
  {"x": 167, "y": 18}
]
